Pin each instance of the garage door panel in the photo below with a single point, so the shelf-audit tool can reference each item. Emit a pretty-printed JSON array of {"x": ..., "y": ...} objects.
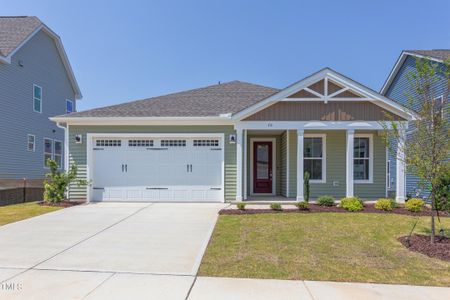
[{"x": 157, "y": 169}]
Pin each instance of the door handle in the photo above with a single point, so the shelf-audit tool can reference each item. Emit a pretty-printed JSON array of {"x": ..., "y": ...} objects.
[
  {"x": 126, "y": 168},
  {"x": 187, "y": 168},
  {"x": 191, "y": 168},
  {"x": 123, "y": 167}
]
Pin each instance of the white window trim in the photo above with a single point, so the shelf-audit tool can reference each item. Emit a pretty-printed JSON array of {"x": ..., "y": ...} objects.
[
  {"x": 43, "y": 151},
  {"x": 71, "y": 101},
  {"x": 42, "y": 96},
  {"x": 62, "y": 151},
  {"x": 441, "y": 98},
  {"x": 324, "y": 156},
  {"x": 34, "y": 142},
  {"x": 274, "y": 164},
  {"x": 371, "y": 154}
]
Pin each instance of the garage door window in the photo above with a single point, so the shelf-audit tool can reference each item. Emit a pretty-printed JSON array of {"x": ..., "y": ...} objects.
[
  {"x": 140, "y": 143},
  {"x": 108, "y": 143},
  {"x": 206, "y": 143},
  {"x": 173, "y": 143}
]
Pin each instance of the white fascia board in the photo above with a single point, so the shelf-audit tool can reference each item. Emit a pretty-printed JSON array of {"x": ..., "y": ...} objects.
[
  {"x": 145, "y": 121},
  {"x": 61, "y": 52},
  {"x": 327, "y": 73},
  {"x": 316, "y": 125}
]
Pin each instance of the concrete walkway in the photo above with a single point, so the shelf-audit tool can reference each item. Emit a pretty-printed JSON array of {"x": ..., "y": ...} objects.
[{"x": 144, "y": 251}]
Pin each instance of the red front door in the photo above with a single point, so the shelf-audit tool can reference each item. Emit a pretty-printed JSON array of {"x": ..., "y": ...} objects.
[{"x": 262, "y": 167}]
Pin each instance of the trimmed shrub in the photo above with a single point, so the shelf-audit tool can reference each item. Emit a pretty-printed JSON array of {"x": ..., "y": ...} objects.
[
  {"x": 241, "y": 206},
  {"x": 275, "y": 206},
  {"x": 352, "y": 204},
  {"x": 302, "y": 205},
  {"x": 325, "y": 201},
  {"x": 384, "y": 204},
  {"x": 306, "y": 186},
  {"x": 443, "y": 193},
  {"x": 414, "y": 204}
]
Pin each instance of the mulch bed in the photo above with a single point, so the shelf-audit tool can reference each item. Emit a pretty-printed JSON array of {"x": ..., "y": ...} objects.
[
  {"x": 421, "y": 243},
  {"x": 65, "y": 203},
  {"x": 314, "y": 208}
]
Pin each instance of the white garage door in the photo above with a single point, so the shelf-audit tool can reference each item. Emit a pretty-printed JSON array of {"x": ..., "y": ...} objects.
[{"x": 157, "y": 169}]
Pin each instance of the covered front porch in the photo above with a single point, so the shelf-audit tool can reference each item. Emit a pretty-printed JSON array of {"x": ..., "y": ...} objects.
[{"x": 343, "y": 158}]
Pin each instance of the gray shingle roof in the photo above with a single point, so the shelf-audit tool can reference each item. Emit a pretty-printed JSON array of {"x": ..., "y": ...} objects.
[
  {"x": 210, "y": 101},
  {"x": 14, "y": 30},
  {"x": 441, "y": 54}
]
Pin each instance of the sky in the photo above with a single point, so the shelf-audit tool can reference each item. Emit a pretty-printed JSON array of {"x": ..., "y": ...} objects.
[{"x": 127, "y": 50}]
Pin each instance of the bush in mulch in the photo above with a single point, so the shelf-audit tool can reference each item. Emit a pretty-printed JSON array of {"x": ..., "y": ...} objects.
[
  {"x": 64, "y": 203},
  {"x": 314, "y": 208},
  {"x": 421, "y": 243}
]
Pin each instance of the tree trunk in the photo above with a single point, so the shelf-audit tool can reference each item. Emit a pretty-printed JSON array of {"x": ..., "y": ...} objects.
[{"x": 433, "y": 209}]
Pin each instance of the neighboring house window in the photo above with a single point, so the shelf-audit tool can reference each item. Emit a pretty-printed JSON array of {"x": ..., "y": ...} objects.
[
  {"x": 440, "y": 101},
  {"x": 314, "y": 157},
  {"x": 58, "y": 153},
  {"x": 388, "y": 174},
  {"x": 69, "y": 106},
  {"x": 31, "y": 141},
  {"x": 363, "y": 156},
  {"x": 37, "y": 98},
  {"x": 48, "y": 151}
]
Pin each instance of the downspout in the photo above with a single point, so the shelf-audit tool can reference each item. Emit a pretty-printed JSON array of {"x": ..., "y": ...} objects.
[{"x": 66, "y": 144}]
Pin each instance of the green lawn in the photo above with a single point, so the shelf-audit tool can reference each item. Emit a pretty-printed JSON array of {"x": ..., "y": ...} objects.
[
  {"x": 17, "y": 212},
  {"x": 321, "y": 246}
]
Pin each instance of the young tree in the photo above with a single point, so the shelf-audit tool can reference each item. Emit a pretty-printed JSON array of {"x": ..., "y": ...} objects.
[{"x": 426, "y": 148}]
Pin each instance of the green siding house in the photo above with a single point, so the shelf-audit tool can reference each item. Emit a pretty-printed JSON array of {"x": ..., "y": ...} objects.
[{"x": 236, "y": 141}]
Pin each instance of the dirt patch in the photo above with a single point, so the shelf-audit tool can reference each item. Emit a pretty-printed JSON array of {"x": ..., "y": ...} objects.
[
  {"x": 65, "y": 203},
  {"x": 421, "y": 243},
  {"x": 314, "y": 208}
]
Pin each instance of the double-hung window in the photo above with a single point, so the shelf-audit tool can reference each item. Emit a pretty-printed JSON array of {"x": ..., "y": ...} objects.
[
  {"x": 31, "y": 142},
  {"x": 48, "y": 151},
  {"x": 53, "y": 149},
  {"x": 57, "y": 153},
  {"x": 37, "y": 98},
  {"x": 69, "y": 106},
  {"x": 314, "y": 157},
  {"x": 363, "y": 158}
]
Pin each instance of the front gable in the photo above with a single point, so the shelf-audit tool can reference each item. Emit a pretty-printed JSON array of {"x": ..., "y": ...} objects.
[{"x": 326, "y": 95}]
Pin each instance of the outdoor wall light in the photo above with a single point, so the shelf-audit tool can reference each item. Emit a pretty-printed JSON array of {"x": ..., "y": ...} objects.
[{"x": 78, "y": 139}]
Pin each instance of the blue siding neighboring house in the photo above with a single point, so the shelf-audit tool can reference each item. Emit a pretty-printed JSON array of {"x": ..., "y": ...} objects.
[
  {"x": 397, "y": 87},
  {"x": 36, "y": 82}
]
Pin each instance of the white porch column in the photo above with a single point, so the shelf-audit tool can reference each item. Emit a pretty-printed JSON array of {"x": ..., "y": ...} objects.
[
  {"x": 245, "y": 163},
  {"x": 300, "y": 173},
  {"x": 349, "y": 163},
  {"x": 400, "y": 171},
  {"x": 239, "y": 164}
]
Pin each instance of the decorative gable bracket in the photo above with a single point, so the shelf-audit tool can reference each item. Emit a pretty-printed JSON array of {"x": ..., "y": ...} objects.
[{"x": 326, "y": 90}]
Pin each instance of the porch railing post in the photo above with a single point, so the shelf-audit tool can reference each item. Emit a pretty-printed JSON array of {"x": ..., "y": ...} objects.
[
  {"x": 239, "y": 164},
  {"x": 300, "y": 173},
  {"x": 349, "y": 163}
]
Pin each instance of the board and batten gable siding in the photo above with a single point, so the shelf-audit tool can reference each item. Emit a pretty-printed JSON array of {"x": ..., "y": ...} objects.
[
  {"x": 331, "y": 111},
  {"x": 78, "y": 152},
  {"x": 335, "y": 184},
  {"x": 43, "y": 66},
  {"x": 399, "y": 90}
]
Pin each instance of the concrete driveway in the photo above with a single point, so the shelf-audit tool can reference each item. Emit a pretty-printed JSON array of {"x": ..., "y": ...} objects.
[{"x": 98, "y": 249}]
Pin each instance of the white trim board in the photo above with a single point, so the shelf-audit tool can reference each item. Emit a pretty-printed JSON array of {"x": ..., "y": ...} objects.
[
  {"x": 274, "y": 165},
  {"x": 327, "y": 73},
  {"x": 398, "y": 64},
  {"x": 61, "y": 52}
]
